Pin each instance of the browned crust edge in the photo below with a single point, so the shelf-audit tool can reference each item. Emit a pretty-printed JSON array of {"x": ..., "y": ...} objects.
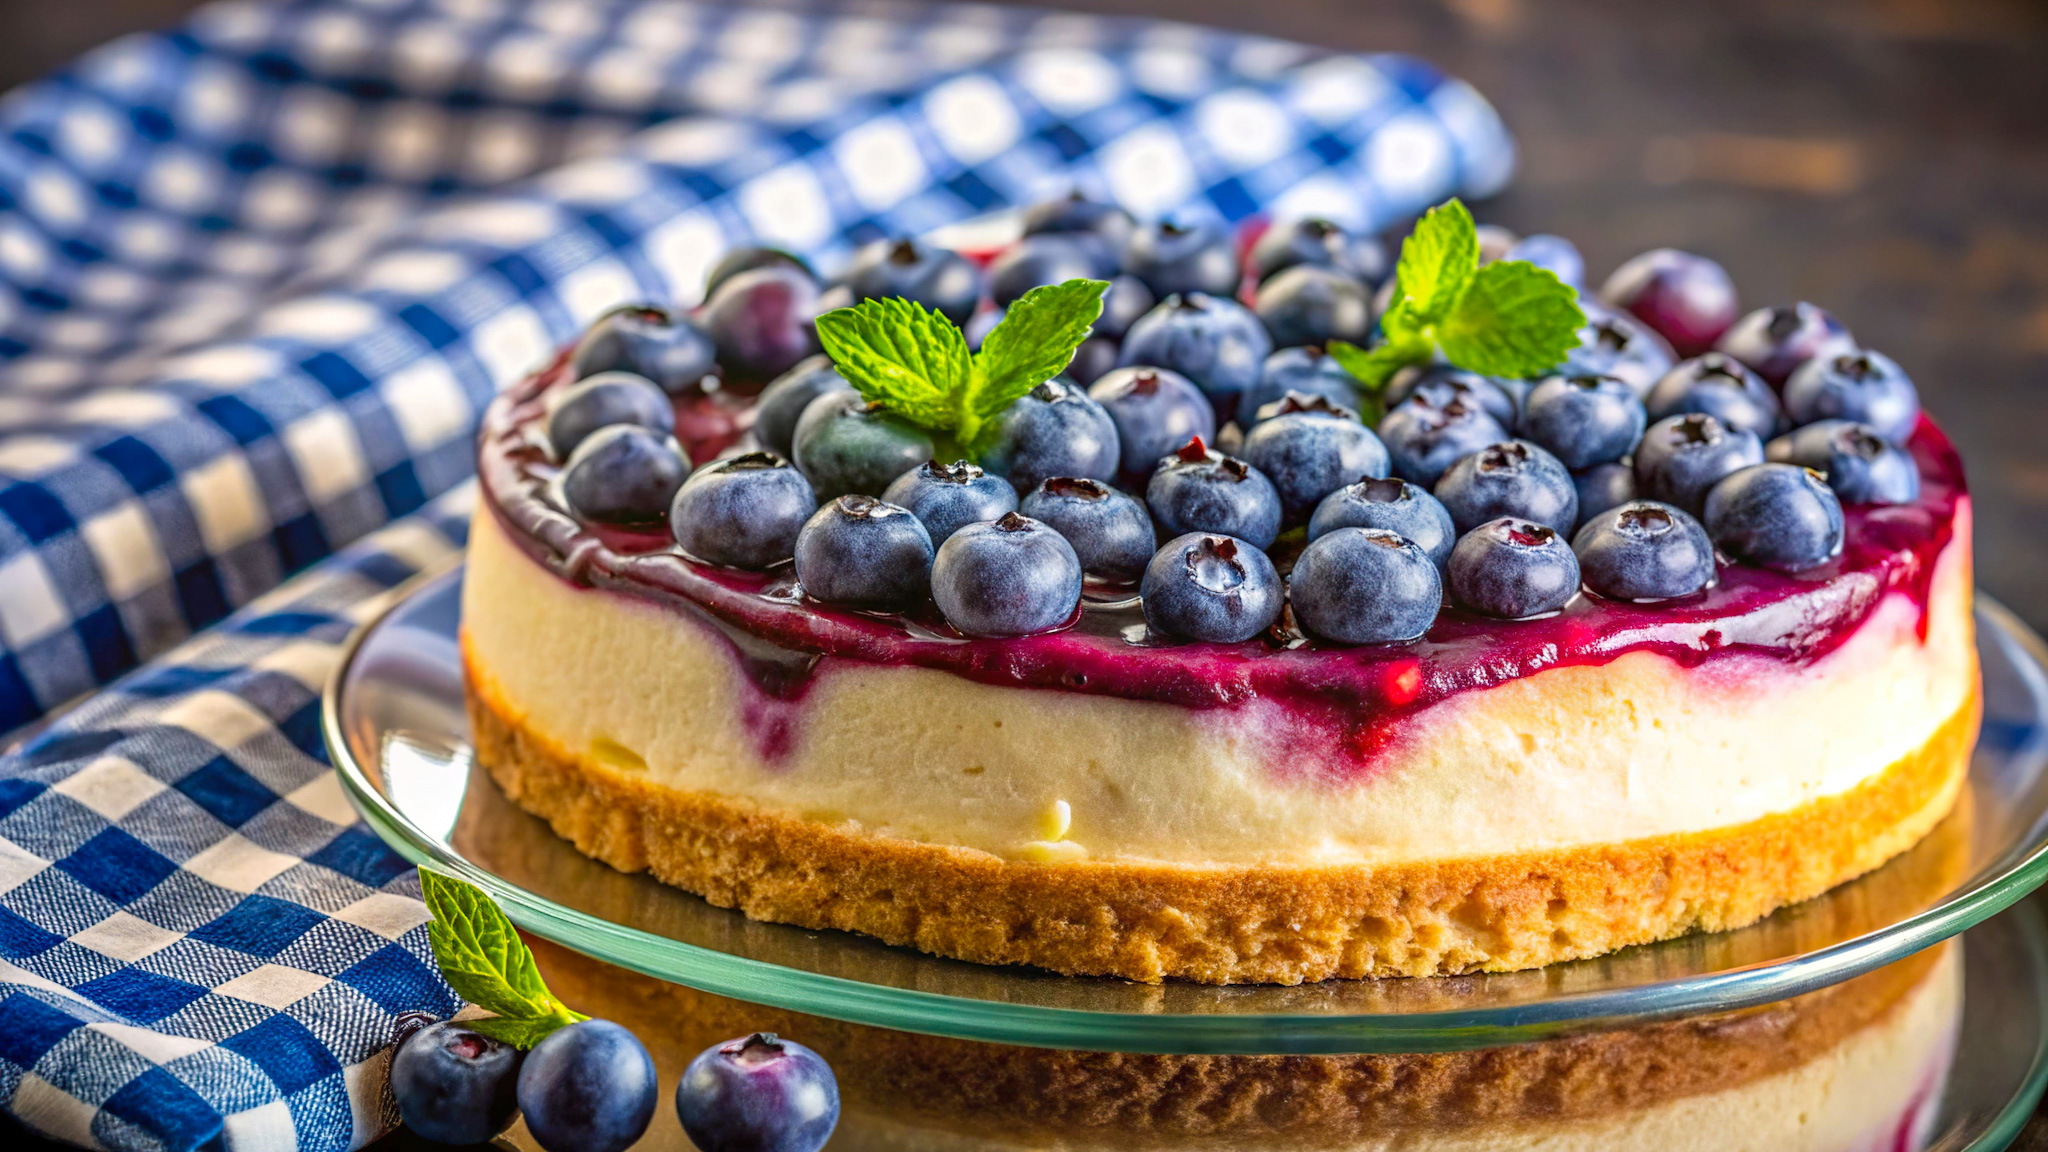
[{"x": 1221, "y": 924}]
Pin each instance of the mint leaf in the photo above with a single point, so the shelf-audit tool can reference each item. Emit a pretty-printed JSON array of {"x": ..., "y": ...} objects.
[
  {"x": 1437, "y": 262},
  {"x": 1514, "y": 319},
  {"x": 482, "y": 957},
  {"x": 1034, "y": 342},
  {"x": 913, "y": 362}
]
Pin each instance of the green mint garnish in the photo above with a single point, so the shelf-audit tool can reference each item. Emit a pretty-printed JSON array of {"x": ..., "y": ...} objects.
[
  {"x": 915, "y": 363},
  {"x": 484, "y": 960},
  {"x": 1508, "y": 318}
]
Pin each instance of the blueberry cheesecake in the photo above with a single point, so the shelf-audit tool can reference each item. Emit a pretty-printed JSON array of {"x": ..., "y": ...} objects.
[{"x": 1519, "y": 624}]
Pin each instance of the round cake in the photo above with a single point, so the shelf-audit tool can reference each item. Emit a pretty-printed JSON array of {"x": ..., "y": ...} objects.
[{"x": 1106, "y": 784}]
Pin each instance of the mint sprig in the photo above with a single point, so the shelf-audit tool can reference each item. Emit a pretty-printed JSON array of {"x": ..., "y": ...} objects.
[
  {"x": 915, "y": 363},
  {"x": 484, "y": 960}
]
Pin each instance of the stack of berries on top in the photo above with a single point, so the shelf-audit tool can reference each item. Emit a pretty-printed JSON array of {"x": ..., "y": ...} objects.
[{"x": 1106, "y": 404}]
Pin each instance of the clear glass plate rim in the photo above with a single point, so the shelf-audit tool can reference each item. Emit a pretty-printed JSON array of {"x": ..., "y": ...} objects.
[{"x": 914, "y": 1010}]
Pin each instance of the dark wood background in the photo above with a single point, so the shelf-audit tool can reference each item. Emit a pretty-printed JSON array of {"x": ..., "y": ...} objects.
[{"x": 1887, "y": 159}]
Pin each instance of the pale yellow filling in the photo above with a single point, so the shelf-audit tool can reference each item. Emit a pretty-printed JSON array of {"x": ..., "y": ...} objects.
[{"x": 1579, "y": 755}]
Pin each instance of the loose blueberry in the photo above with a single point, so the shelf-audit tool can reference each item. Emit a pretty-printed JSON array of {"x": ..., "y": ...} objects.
[
  {"x": 1495, "y": 241},
  {"x": 859, "y": 552},
  {"x": 1424, "y": 438},
  {"x": 1309, "y": 448},
  {"x": 1176, "y": 259},
  {"x": 949, "y": 497},
  {"x": 782, "y": 403},
  {"x": 1095, "y": 358},
  {"x": 1075, "y": 213},
  {"x": 1007, "y": 577},
  {"x": 1777, "y": 516},
  {"x": 1392, "y": 505},
  {"x": 1513, "y": 569},
  {"x": 1110, "y": 531},
  {"x": 1307, "y": 304},
  {"x": 758, "y": 1093},
  {"x": 1776, "y": 341},
  {"x": 761, "y": 322},
  {"x": 939, "y": 278},
  {"x": 1722, "y": 387},
  {"x": 1203, "y": 586},
  {"x": 1322, "y": 243},
  {"x": 1618, "y": 345},
  {"x": 1441, "y": 384},
  {"x": 1683, "y": 456},
  {"x": 1555, "y": 254},
  {"x": 1124, "y": 303},
  {"x": 1867, "y": 387},
  {"x": 1364, "y": 586},
  {"x": 1155, "y": 410},
  {"x": 455, "y": 1086},
  {"x": 666, "y": 348},
  {"x": 746, "y": 260},
  {"x": 1308, "y": 371},
  {"x": 743, "y": 511},
  {"x": 1583, "y": 420},
  {"x": 589, "y": 1087},
  {"x": 603, "y": 400},
  {"x": 1512, "y": 478},
  {"x": 1643, "y": 550},
  {"x": 1212, "y": 340},
  {"x": 1860, "y": 465},
  {"x": 1047, "y": 258},
  {"x": 1688, "y": 300},
  {"x": 845, "y": 444},
  {"x": 624, "y": 475},
  {"x": 1604, "y": 486},
  {"x": 1055, "y": 429},
  {"x": 983, "y": 323},
  {"x": 1200, "y": 490}
]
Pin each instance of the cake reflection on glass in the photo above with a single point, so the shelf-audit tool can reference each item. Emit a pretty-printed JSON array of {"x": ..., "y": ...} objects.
[{"x": 1309, "y": 737}]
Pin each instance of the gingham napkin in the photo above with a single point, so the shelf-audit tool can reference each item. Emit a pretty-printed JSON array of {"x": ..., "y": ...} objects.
[{"x": 260, "y": 275}]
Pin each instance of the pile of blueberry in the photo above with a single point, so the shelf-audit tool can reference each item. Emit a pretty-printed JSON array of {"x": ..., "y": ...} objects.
[
  {"x": 590, "y": 1087},
  {"x": 1180, "y": 447}
]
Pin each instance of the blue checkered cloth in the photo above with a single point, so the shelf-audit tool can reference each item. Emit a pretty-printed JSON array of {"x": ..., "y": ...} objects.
[{"x": 259, "y": 275}]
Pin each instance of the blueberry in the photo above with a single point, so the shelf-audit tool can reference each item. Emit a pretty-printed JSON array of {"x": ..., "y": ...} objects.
[
  {"x": 1722, "y": 387},
  {"x": 1643, "y": 550},
  {"x": 1309, "y": 448},
  {"x": 1442, "y": 384},
  {"x": 1683, "y": 456},
  {"x": 624, "y": 475},
  {"x": 1212, "y": 340},
  {"x": 1007, "y": 577},
  {"x": 1200, "y": 490},
  {"x": 1604, "y": 486},
  {"x": 589, "y": 1087},
  {"x": 862, "y": 553},
  {"x": 1618, "y": 345},
  {"x": 1308, "y": 371},
  {"x": 1055, "y": 429},
  {"x": 1155, "y": 410},
  {"x": 1075, "y": 213},
  {"x": 1176, "y": 259},
  {"x": 1777, "y": 516},
  {"x": 983, "y": 323},
  {"x": 1555, "y": 254},
  {"x": 1688, "y": 300},
  {"x": 782, "y": 403},
  {"x": 761, "y": 322},
  {"x": 1364, "y": 586},
  {"x": 746, "y": 260},
  {"x": 1047, "y": 258},
  {"x": 1322, "y": 243},
  {"x": 1776, "y": 341},
  {"x": 1512, "y": 478},
  {"x": 1095, "y": 358},
  {"x": 939, "y": 278},
  {"x": 601, "y": 401},
  {"x": 758, "y": 1093},
  {"x": 949, "y": 497},
  {"x": 1583, "y": 420},
  {"x": 455, "y": 1086},
  {"x": 1513, "y": 569},
  {"x": 743, "y": 511},
  {"x": 1123, "y": 304},
  {"x": 1495, "y": 242},
  {"x": 845, "y": 444},
  {"x": 666, "y": 348},
  {"x": 1311, "y": 305},
  {"x": 1423, "y": 438},
  {"x": 1861, "y": 466},
  {"x": 1203, "y": 586},
  {"x": 1393, "y": 505},
  {"x": 1110, "y": 531},
  {"x": 1867, "y": 387}
]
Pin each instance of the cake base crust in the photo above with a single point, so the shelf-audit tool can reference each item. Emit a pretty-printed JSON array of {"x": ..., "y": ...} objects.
[{"x": 1221, "y": 924}]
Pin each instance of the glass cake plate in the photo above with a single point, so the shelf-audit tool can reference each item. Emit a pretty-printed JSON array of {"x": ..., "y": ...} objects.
[{"x": 394, "y": 724}]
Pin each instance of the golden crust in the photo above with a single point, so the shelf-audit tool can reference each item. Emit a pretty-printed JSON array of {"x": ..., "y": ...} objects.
[{"x": 1222, "y": 924}]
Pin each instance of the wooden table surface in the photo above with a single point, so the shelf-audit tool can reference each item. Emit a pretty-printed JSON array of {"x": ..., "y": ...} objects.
[{"x": 1885, "y": 159}]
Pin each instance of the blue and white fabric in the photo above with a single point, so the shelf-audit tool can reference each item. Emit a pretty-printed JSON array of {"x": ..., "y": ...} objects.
[{"x": 258, "y": 276}]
